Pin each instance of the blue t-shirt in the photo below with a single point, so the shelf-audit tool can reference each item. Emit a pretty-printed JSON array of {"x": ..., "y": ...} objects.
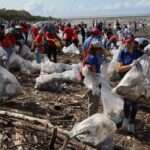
[
  {"x": 90, "y": 40},
  {"x": 126, "y": 58},
  {"x": 92, "y": 60}
]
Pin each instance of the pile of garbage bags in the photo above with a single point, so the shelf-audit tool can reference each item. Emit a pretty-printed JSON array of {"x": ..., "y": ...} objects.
[
  {"x": 9, "y": 86},
  {"x": 22, "y": 62},
  {"x": 71, "y": 49}
]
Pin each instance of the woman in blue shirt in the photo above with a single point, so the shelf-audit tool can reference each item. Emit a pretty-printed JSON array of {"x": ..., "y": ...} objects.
[
  {"x": 93, "y": 61},
  {"x": 126, "y": 59}
]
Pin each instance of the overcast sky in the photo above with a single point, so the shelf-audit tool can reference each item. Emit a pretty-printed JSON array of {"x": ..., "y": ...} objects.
[{"x": 79, "y": 8}]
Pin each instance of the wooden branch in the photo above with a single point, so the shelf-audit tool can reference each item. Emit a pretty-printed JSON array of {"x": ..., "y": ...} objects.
[
  {"x": 27, "y": 118},
  {"x": 53, "y": 139},
  {"x": 42, "y": 126},
  {"x": 60, "y": 135},
  {"x": 65, "y": 143},
  {"x": 34, "y": 120}
]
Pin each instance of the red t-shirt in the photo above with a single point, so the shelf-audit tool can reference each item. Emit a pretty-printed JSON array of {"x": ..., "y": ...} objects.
[
  {"x": 68, "y": 33},
  {"x": 75, "y": 35},
  {"x": 39, "y": 40},
  {"x": 13, "y": 39},
  {"x": 34, "y": 31},
  {"x": 8, "y": 41},
  {"x": 50, "y": 38},
  {"x": 24, "y": 27}
]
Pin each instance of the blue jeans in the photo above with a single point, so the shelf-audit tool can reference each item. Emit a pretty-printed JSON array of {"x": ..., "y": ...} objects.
[
  {"x": 9, "y": 51},
  {"x": 130, "y": 110},
  {"x": 37, "y": 56}
]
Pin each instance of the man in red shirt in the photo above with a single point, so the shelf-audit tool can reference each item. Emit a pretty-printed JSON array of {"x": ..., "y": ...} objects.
[
  {"x": 39, "y": 45},
  {"x": 34, "y": 31},
  {"x": 51, "y": 48},
  {"x": 8, "y": 41},
  {"x": 68, "y": 34}
]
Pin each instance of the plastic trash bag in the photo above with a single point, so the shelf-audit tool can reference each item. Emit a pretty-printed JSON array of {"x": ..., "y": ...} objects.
[
  {"x": 71, "y": 49},
  {"x": 35, "y": 67},
  {"x": 44, "y": 80},
  {"x": 140, "y": 40},
  {"x": 60, "y": 34},
  {"x": 111, "y": 71},
  {"x": 15, "y": 61},
  {"x": 9, "y": 86},
  {"x": 3, "y": 56},
  {"x": 26, "y": 53},
  {"x": 29, "y": 68},
  {"x": 98, "y": 128},
  {"x": 94, "y": 129},
  {"x": 136, "y": 82},
  {"x": 48, "y": 67},
  {"x": 91, "y": 80},
  {"x": 113, "y": 104},
  {"x": 147, "y": 49},
  {"x": 25, "y": 66}
]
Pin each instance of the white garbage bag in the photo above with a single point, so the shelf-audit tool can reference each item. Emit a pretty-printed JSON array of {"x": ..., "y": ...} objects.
[
  {"x": 26, "y": 53},
  {"x": 147, "y": 49},
  {"x": 35, "y": 67},
  {"x": 112, "y": 67},
  {"x": 45, "y": 80},
  {"x": 9, "y": 86},
  {"x": 91, "y": 80},
  {"x": 3, "y": 56},
  {"x": 29, "y": 68},
  {"x": 14, "y": 61},
  {"x": 48, "y": 67},
  {"x": 25, "y": 66},
  {"x": 98, "y": 128},
  {"x": 140, "y": 40},
  {"x": 135, "y": 83},
  {"x": 94, "y": 130},
  {"x": 113, "y": 104},
  {"x": 60, "y": 34},
  {"x": 71, "y": 49}
]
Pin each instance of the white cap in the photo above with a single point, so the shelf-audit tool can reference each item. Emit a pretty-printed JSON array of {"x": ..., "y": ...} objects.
[
  {"x": 17, "y": 27},
  {"x": 9, "y": 30},
  {"x": 41, "y": 31}
]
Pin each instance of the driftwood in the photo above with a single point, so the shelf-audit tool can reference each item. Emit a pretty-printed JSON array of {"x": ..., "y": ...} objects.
[
  {"x": 42, "y": 122},
  {"x": 53, "y": 139},
  {"x": 27, "y": 118},
  {"x": 42, "y": 126},
  {"x": 60, "y": 136},
  {"x": 65, "y": 143}
]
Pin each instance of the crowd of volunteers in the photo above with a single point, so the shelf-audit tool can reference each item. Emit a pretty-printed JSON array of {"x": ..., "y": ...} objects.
[{"x": 96, "y": 43}]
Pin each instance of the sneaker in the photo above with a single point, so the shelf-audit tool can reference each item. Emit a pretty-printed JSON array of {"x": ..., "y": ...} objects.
[
  {"x": 131, "y": 128},
  {"x": 125, "y": 124}
]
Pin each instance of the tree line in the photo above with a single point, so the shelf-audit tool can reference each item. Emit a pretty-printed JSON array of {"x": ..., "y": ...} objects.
[{"x": 18, "y": 15}]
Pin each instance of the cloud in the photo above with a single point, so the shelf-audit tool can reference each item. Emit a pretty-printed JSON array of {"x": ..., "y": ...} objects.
[{"x": 72, "y": 8}]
